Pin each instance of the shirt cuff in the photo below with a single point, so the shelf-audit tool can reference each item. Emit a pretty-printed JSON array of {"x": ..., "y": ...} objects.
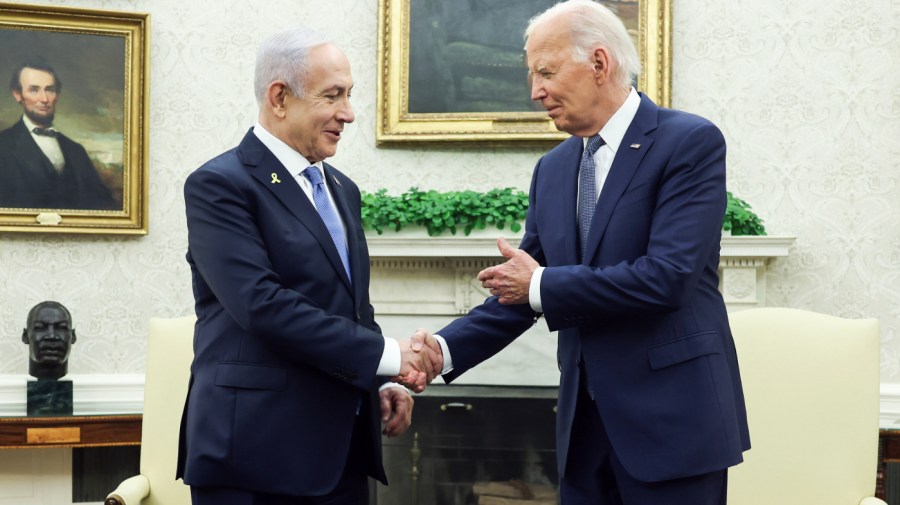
[
  {"x": 389, "y": 365},
  {"x": 448, "y": 362},
  {"x": 534, "y": 290},
  {"x": 390, "y": 384}
]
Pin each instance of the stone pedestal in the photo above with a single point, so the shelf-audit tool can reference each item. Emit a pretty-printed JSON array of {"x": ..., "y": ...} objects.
[{"x": 49, "y": 398}]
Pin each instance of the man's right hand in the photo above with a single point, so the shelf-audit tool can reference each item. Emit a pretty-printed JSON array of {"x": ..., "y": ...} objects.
[
  {"x": 421, "y": 361},
  {"x": 423, "y": 340}
]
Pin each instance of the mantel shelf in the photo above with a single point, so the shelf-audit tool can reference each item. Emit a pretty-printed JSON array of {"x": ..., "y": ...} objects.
[{"x": 483, "y": 244}]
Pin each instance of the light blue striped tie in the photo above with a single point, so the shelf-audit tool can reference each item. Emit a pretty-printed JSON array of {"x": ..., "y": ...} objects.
[
  {"x": 587, "y": 190},
  {"x": 329, "y": 215}
]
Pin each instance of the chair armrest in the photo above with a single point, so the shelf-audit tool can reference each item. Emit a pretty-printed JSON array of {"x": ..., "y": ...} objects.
[
  {"x": 872, "y": 501},
  {"x": 130, "y": 491}
]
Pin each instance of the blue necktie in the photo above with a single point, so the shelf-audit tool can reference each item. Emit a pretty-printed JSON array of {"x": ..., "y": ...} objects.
[
  {"x": 587, "y": 189},
  {"x": 328, "y": 214}
]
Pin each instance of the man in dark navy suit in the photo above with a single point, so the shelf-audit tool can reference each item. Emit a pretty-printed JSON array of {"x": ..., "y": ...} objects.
[
  {"x": 289, "y": 382},
  {"x": 620, "y": 254},
  {"x": 40, "y": 168}
]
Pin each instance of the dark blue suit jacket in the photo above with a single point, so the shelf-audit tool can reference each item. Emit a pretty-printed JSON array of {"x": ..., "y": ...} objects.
[
  {"x": 28, "y": 179},
  {"x": 642, "y": 310},
  {"x": 286, "y": 348}
]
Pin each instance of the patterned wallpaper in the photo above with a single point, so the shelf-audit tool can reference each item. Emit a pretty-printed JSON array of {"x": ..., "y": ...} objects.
[{"x": 807, "y": 93}]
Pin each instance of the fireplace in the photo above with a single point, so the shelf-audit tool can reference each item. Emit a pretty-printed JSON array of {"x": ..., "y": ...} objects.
[{"x": 474, "y": 445}]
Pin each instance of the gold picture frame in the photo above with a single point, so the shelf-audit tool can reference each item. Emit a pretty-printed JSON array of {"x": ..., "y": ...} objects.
[
  {"x": 99, "y": 181},
  {"x": 423, "y": 44}
]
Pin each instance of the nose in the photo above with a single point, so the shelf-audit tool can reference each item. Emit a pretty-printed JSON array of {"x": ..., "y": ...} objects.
[
  {"x": 346, "y": 114},
  {"x": 537, "y": 89}
]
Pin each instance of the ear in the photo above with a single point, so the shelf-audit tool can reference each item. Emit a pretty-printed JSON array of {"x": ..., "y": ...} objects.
[
  {"x": 17, "y": 95},
  {"x": 73, "y": 336},
  {"x": 275, "y": 96},
  {"x": 600, "y": 62},
  {"x": 25, "y": 336}
]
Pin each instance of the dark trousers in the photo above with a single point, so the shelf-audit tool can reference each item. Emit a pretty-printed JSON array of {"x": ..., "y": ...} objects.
[
  {"x": 352, "y": 488},
  {"x": 595, "y": 476}
]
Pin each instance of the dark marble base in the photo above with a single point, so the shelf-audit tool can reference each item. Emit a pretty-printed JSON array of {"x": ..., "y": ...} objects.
[{"x": 49, "y": 398}]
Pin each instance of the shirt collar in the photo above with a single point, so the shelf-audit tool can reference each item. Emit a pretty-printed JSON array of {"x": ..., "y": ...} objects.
[
  {"x": 614, "y": 130},
  {"x": 31, "y": 125},
  {"x": 291, "y": 159}
]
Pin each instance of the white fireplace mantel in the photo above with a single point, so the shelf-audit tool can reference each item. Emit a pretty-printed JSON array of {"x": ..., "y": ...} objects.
[
  {"x": 424, "y": 282},
  {"x": 742, "y": 267}
]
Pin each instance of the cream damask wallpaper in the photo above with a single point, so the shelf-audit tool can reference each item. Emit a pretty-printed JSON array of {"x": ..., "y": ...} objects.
[{"x": 807, "y": 93}]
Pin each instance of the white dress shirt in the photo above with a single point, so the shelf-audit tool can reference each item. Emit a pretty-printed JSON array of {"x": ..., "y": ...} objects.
[{"x": 49, "y": 145}]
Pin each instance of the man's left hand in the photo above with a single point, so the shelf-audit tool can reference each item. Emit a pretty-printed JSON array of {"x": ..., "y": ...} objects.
[
  {"x": 396, "y": 410},
  {"x": 511, "y": 280}
]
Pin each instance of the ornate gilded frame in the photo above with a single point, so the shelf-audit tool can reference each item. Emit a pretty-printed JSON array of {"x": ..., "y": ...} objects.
[
  {"x": 396, "y": 125},
  {"x": 96, "y": 45}
]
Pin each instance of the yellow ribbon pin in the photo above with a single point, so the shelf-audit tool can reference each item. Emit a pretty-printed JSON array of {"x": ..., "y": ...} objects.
[{"x": 275, "y": 179}]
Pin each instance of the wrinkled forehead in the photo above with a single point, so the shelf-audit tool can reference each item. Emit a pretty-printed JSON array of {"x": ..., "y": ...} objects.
[
  {"x": 329, "y": 67},
  {"x": 546, "y": 44}
]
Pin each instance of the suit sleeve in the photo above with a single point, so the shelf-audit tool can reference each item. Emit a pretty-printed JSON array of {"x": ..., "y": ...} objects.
[
  {"x": 231, "y": 256},
  {"x": 684, "y": 238},
  {"x": 490, "y": 327}
]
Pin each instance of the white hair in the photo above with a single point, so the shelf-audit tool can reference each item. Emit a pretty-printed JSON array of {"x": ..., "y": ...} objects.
[
  {"x": 590, "y": 25},
  {"x": 283, "y": 57}
]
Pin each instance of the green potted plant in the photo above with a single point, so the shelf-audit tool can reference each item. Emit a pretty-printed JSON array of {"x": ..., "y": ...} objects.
[
  {"x": 449, "y": 211},
  {"x": 740, "y": 218},
  {"x": 452, "y": 211}
]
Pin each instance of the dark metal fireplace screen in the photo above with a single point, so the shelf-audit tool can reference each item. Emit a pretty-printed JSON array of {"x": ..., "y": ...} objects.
[{"x": 475, "y": 445}]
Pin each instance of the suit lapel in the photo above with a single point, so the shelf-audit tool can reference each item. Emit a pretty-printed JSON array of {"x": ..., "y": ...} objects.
[
  {"x": 631, "y": 152},
  {"x": 569, "y": 193},
  {"x": 265, "y": 167},
  {"x": 27, "y": 152},
  {"x": 354, "y": 248}
]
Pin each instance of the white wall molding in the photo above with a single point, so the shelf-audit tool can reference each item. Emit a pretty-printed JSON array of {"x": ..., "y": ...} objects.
[
  {"x": 890, "y": 406},
  {"x": 124, "y": 394},
  {"x": 92, "y": 394}
]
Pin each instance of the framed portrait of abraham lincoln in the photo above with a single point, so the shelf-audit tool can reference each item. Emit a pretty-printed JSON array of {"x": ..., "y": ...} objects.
[
  {"x": 73, "y": 121},
  {"x": 456, "y": 71}
]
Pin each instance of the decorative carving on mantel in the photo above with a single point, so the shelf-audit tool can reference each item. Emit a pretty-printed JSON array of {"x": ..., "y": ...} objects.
[{"x": 742, "y": 268}]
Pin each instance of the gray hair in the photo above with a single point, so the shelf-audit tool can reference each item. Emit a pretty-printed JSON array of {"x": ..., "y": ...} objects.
[
  {"x": 591, "y": 24},
  {"x": 283, "y": 57}
]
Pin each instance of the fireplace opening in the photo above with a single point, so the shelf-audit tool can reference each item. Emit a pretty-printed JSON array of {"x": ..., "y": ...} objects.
[{"x": 475, "y": 445}]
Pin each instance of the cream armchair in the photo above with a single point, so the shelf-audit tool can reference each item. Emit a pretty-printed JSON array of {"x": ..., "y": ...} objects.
[
  {"x": 169, "y": 354},
  {"x": 811, "y": 383}
]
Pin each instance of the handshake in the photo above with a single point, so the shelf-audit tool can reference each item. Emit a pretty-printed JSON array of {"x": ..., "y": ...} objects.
[{"x": 421, "y": 360}]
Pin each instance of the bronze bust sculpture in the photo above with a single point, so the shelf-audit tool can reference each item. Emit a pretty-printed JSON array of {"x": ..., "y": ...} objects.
[{"x": 49, "y": 335}]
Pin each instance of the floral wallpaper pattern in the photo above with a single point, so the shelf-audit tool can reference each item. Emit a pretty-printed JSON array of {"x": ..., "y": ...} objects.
[{"x": 807, "y": 93}]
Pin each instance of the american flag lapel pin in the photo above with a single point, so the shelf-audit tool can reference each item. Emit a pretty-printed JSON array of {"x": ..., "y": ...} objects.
[
  {"x": 635, "y": 146},
  {"x": 335, "y": 179}
]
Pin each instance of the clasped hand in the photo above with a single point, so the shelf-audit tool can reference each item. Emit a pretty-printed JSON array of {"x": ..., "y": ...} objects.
[{"x": 421, "y": 360}]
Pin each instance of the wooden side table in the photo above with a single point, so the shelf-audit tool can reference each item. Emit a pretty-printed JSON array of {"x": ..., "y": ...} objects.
[{"x": 70, "y": 431}]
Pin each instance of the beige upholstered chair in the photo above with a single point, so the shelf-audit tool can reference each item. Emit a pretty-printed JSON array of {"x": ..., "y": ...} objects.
[
  {"x": 812, "y": 387},
  {"x": 169, "y": 354}
]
